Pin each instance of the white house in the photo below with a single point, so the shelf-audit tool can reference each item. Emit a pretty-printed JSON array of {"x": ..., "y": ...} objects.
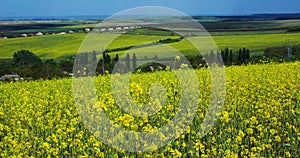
[
  {"x": 24, "y": 35},
  {"x": 110, "y": 29},
  {"x": 87, "y": 29},
  {"x": 62, "y": 33},
  {"x": 10, "y": 77},
  {"x": 71, "y": 32},
  {"x": 39, "y": 34}
]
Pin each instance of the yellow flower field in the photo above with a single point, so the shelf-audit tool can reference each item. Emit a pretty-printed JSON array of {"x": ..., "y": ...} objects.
[{"x": 260, "y": 117}]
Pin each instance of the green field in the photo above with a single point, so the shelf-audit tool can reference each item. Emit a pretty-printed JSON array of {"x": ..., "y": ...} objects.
[
  {"x": 256, "y": 44},
  {"x": 56, "y": 46},
  {"x": 253, "y": 24}
]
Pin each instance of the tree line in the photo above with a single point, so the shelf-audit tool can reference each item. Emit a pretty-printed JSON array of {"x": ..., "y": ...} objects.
[{"x": 28, "y": 65}]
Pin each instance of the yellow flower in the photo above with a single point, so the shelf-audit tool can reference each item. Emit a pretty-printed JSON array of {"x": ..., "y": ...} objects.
[
  {"x": 287, "y": 154},
  {"x": 272, "y": 131},
  {"x": 250, "y": 131},
  {"x": 177, "y": 153},
  {"x": 277, "y": 138},
  {"x": 46, "y": 145}
]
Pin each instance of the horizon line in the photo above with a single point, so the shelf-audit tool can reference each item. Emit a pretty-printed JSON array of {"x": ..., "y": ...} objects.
[{"x": 108, "y": 15}]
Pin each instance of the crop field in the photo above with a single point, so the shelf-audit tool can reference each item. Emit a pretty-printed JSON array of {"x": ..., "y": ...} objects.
[
  {"x": 256, "y": 43},
  {"x": 55, "y": 46},
  {"x": 51, "y": 46},
  {"x": 260, "y": 117},
  {"x": 252, "y": 25}
]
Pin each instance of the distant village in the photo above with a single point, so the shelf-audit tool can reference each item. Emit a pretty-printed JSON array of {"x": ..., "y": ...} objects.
[{"x": 118, "y": 29}]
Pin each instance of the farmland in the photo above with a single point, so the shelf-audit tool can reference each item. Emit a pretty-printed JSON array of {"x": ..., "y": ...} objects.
[
  {"x": 233, "y": 32},
  {"x": 55, "y": 46},
  {"x": 260, "y": 117}
]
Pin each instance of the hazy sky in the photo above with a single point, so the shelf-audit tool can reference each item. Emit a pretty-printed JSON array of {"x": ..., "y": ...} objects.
[{"x": 109, "y": 7}]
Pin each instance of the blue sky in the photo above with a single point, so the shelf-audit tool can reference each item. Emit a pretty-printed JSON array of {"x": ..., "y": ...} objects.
[{"x": 109, "y": 7}]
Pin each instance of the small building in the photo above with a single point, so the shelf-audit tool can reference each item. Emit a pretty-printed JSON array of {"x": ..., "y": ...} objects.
[
  {"x": 71, "y": 32},
  {"x": 24, "y": 35},
  {"x": 10, "y": 77},
  {"x": 126, "y": 28},
  {"x": 3, "y": 38},
  {"x": 110, "y": 29},
  {"x": 87, "y": 30},
  {"x": 103, "y": 29},
  {"x": 39, "y": 34},
  {"x": 62, "y": 33},
  {"x": 118, "y": 28}
]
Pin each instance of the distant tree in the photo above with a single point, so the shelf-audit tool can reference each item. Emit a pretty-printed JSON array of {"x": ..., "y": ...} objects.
[
  {"x": 247, "y": 56},
  {"x": 66, "y": 65},
  {"x": 223, "y": 54},
  {"x": 6, "y": 67},
  {"x": 127, "y": 62},
  {"x": 51, "y": 70},
  {"x": 134, "y": 65},
  {"x": 25, "y": 58},
  {"x": 50, "y": 63},
  {"x": 117, "y": 58},
  {"x": 230, "y": 57},
  {"x": 240, "y": 56},
  {"x": 244, "y": 55},
  {"x": 108, "y": 60},
  {"x": 226, "y": 56},
  {"x": 104, "y": 56}
]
